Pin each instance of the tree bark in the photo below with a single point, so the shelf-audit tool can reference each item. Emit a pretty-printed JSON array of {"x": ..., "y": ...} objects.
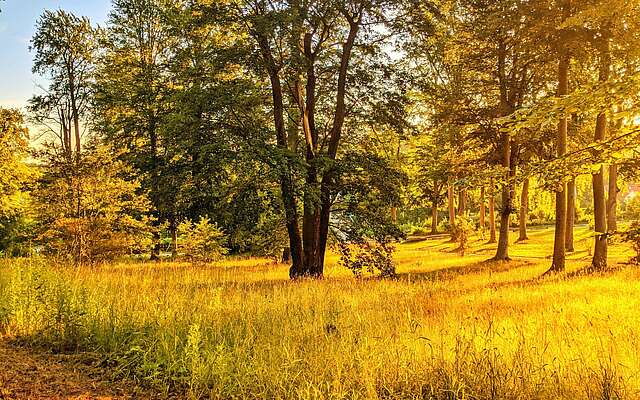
[
  {"x": 502, "y": 253},
  {"x": 492, "y": 215},
  {"x": 462, "y": 202},
  {"x": 524, "y": 210},
  {"x": 334, "y": 140},
  {"x": 599, "y": 261},
  {"x": 173, "y": 229},
  {"x": 483, "y": 211},
  {"x": 559, "y": 251},
  {"x": 612, "y": 200},
  {"x": 571, "y": 215},
  {"x": 434, "y": 218},
  {"x": 286, "y": 180},
  {"x": 452, "y": 208}
]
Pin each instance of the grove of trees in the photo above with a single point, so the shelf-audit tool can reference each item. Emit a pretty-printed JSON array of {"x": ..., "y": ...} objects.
[{"x": 285, "y": 128}]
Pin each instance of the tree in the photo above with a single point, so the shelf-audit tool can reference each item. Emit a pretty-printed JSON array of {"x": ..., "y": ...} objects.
[
  {"x": 132, "y": 94},
  {"x": 14, "y": 175},
  {"x": 112, "y": 220},
  {"x": 64, "y": 46},
  {"x": 293, "y": 48}
]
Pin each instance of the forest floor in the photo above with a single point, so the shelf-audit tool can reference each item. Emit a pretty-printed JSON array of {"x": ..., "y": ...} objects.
[
  {"x": 26, "y": 373},
  {"x": 241, "y": 329}
]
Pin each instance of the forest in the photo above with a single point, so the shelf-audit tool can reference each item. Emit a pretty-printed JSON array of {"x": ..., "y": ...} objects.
[{"x": 324, "y": 199}]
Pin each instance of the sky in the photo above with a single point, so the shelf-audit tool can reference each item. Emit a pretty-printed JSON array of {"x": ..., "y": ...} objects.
[{"x": 17, "y": 25}]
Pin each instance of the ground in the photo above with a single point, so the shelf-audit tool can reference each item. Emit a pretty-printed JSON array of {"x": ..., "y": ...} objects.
[
  {"x": 448, "y": 327},
  {"x": 31, "y": 374}
]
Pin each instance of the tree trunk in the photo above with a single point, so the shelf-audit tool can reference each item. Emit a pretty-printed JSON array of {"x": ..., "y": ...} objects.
[
  {"x": 524, "y": 210},
  {"x": 571, "y": 215},
  {"x": 559, "y": 251},
  {"x": 286, "y": 255},
  {"x": 316, "y": 268},
  {"x": 502, "y": 253},
  {"x": 286, "y": 183},
  {"x": 599, "y": 261},
  {"x": 155, "y": 192},
  {"x": 452, "y": 207},
  {"x": 612, "y": 200},
  {"x": 462, "y": 202},
  {"x": 483, "y": 210},
  {"x": 492, "y": 216},
  {"x": 394, "y": 214},
  {"x": 173, "y": 229},
  {"x": 434, "y": 218}
]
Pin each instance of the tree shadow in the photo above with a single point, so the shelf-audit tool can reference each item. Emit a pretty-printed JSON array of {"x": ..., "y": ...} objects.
[{"x": 450, "y": 273}]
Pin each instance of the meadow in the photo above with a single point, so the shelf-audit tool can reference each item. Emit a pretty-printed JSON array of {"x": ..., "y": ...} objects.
[{"x": 448, "y": 327}]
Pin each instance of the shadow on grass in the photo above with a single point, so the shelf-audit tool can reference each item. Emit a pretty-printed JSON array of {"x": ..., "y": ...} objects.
[{"x": 450, "y": 273}]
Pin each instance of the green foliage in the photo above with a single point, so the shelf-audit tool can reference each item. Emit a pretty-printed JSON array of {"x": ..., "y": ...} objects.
[
  {"x": 630, "y": 209},
  {"x": 15, "y": 175},
  {"x": 368, "y": 257},
  {"x": 201, "y": 242},
  {"x": 87, "y": 211},
  {"x": 632, "y": 236},
  {"x": 462, "y": 231}
]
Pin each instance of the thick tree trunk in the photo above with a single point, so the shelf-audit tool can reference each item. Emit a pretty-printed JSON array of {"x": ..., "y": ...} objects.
[
  {"x": 394, "y": 214},
  {"x": 599, "y": 261},
  {"x": 524, "y": 210},
  {"x": 559, "y": 251},
  {"x": 571, "y": 215},
  {"x": 502, "y": 253},
  {"x": 313, "y": 265},
  {"x": 434, "y": 218},
  {"x": 612, "y": 200}
]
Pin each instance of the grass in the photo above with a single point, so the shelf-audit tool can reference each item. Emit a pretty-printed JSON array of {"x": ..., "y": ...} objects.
[{"x": 447, "y": 328}]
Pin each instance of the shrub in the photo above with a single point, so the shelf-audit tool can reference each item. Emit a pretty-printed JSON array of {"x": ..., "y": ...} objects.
[
  {"x": 201, "y": 242},
  {"x": 461, "y": 232},
  {"x": 632, "y": 236},
  {"x": 369, "y": 257}
]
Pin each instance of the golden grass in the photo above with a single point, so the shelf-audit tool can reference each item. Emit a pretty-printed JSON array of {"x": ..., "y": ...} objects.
[{"x": 446, "y": 328}]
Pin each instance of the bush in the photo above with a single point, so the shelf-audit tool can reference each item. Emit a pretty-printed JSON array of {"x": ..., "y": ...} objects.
[
  {"x": 632, "y": 236},
  {"x": 369, "y": 257},
  {"x": 461, "y": 232},
  {"x": 201, "y": 242}
]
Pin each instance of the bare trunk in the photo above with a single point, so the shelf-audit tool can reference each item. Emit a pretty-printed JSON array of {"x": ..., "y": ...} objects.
[
  {"x": 173, "y": 229},
  {"x": 502, "y": 253},
  {"x": 612, "y": 200},
  {"x": 524, "y": 210},
  {"x": 492, "y": 215},
  {"x": 483, "y": 210},
  {"x": 599, "y": 261},
  {"x": 571, "y": 215},
  {"x": 559, "y": 251},
  {"x": 462, "y": 202},
  {"x": 452, "y": 207},
  {"x": 434, "y": 218},
  {"x": 286, "y": 183},
  {"x": 394, "y": 214},
  {"x": 314, "y": 257}
]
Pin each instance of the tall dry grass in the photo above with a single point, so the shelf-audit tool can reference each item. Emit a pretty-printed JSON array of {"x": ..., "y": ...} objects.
[{"x": 446, "y": 328}]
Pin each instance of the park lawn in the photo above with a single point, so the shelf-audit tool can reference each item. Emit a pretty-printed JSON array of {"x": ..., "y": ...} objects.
[{"x": 448, "y": 327}]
